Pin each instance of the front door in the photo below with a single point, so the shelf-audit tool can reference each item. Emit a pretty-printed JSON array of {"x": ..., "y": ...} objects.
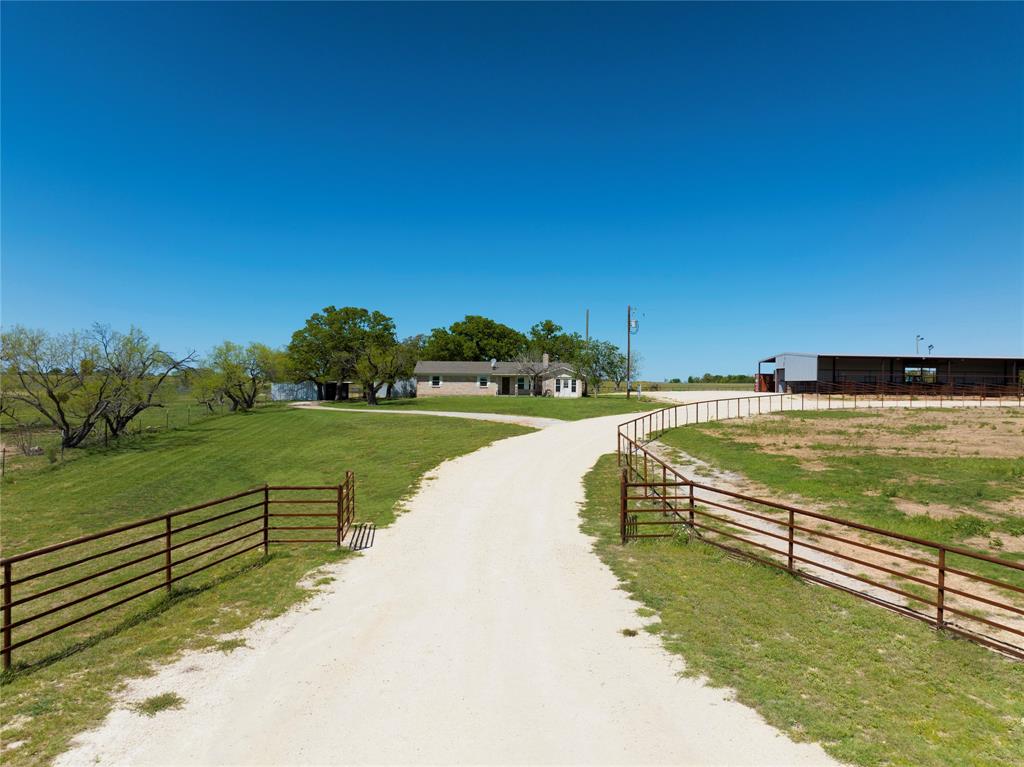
[{"x": 506, "y": 385}]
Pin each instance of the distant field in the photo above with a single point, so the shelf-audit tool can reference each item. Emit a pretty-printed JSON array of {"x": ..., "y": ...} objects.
[
  {"x": 874, "y": 688},
  {"x": 544, "y": 407},
  {"x": 178, "y": 410},
  {"x": 955, "y": 476},
  {"x": 659, "y": 386},
  {"x": 155, "y": 473}
]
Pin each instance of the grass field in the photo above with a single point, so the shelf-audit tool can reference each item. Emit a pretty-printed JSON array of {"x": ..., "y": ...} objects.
[
  {"x": 661, "y": 386},
  {"x": 873, "y": 687},
  {"x": 545, "y": 407},
  {"x": 955, "y": 476},
  {"x": 69, "y": 685},
  {"x": 178, "y": 410}
]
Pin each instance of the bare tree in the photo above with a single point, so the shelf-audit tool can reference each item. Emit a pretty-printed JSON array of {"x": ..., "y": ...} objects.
[
  {"x": 532, "y": 366},
  {"x": 138, "y": 370},
  {"x": 76, "y": 380},
  {"x": 58, "y": 378}
]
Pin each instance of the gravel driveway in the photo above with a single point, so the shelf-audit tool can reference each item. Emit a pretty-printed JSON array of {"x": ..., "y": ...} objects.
[{"x": 479, "y": 629}]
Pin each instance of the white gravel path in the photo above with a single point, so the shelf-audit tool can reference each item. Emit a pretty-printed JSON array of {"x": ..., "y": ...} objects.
[
  {"x": 480, "y": 629},
  {"x": 535, "y": 422}
]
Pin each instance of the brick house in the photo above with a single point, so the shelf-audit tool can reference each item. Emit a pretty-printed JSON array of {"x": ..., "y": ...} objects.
[{"x": 435, "y": 378}]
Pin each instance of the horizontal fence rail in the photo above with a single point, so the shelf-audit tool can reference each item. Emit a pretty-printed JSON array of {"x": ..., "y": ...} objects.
[
  {"x": 58, "y": 587},
  {"x": 958, "y": 386},
  {"x": 970, "y": 593}
]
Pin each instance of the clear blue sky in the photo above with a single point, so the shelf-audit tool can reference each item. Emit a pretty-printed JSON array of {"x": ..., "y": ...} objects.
[{"x": 756, "y": 178}]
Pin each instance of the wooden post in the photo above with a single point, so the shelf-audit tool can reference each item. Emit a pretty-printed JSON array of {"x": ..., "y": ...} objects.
[
  {"x": 167, "y": 554},
  {"x": 266, "y": 519},
  {"x": 7, "y": 616}
]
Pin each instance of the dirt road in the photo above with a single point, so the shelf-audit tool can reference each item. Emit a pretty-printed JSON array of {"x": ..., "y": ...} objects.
[{"x": 479, "y": 629}]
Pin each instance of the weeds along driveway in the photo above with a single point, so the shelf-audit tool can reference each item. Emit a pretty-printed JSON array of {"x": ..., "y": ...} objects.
[{"x": 480, "y": 628}]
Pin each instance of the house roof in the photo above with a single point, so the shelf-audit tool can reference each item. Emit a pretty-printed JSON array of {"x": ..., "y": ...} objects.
[{"x": 446, "y": 367}]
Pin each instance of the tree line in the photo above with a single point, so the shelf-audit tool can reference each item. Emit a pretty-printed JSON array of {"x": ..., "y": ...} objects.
[
  {"x": 100, "y": 378},
  {"x": 715, "y": 378}
]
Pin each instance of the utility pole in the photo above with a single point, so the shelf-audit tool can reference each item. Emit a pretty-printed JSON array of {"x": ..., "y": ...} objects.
[{"x": 629, "y": 333}]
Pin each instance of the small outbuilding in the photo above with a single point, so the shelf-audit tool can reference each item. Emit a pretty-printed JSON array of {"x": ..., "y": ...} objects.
[{"x": 800, "y": 372}]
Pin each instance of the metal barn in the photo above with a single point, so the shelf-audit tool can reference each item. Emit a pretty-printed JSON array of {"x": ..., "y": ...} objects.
[{"x": 802, "y": 372}]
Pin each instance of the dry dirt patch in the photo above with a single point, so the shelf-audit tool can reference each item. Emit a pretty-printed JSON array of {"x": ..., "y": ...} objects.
[{"x": 917, "y": 433}]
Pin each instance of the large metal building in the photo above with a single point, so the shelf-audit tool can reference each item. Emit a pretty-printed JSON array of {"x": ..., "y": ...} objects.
[{"x": 801, "y": 372}]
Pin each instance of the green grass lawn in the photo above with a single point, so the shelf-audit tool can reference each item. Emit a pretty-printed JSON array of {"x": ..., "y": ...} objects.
[
  {"x": 832, "y": 458},
  {"x": 545, "y": 407},
  {"x": 874, "y": 688},
  {"x": 68, "y": 684}
]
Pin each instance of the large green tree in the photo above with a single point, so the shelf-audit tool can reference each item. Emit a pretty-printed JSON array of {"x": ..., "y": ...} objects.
[
  {"x": 474, "y": 338},
  {"x": 331, "y": 343},
  {"x": 548, "y": 337},
  {"x": 240, "y": 373}
]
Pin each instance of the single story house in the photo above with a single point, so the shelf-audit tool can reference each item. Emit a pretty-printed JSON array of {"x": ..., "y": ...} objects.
[{"x": 436, "y": 378}]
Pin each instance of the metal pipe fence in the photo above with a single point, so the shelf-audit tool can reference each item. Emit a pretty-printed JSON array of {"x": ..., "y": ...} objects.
[
  {"x": 153, "y": 554},
  {"x": 966, "y": 592}
]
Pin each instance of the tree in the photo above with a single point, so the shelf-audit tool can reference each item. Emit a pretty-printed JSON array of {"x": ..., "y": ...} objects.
[
  {"x": 547, "y": 337},
  {"x": 474, "y": 338},
  {"x": 329, "y": 346},
  {"x": 76, "y": 380},
  {"x": 384, "y": 364},
  {"x": 241, "y": 372},
  {"x": 204, "y": 384},
  {"x": 615, "y": 368},
  {"x": 138, "y": 371},
  {"x": 714, "y": 378},
  {"x": 596, "y": 361},
  {"x": 531, "y": 365},
  {"x": 636, "y": 362}
]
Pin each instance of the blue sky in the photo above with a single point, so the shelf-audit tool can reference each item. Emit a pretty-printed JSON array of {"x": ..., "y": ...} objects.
[{"x": 756, "y": 178}]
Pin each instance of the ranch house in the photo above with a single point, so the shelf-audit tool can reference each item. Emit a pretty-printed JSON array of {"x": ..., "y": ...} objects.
[{"x": 435, "y": 378}]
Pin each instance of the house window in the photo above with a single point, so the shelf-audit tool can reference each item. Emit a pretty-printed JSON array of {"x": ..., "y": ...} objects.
[
  {"x": 920, "y": 375},
  {"x": 482, "y": 382},
  {"x": 574, "y": 386},
  {"x": 435, "y": 382},
  {"x": 558, "y": 384},
  {"x": 520, "y": 383}
]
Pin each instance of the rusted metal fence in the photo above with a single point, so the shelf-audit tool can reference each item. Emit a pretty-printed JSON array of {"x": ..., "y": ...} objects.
[
  {"x": 686, "y": 413},
  {"x": 155, "y": 553},
  {"x": 963, "y": 591}
]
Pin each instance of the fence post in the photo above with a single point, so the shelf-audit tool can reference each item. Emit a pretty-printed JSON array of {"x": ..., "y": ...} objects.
[
  {"x": 691, "y": 503},
  {"x": 352, "y": 493},
  {"x": 7, "y": 616},
  {"x": 622, "y": 506},
  {"x": 790, "y": 536},
  {"x": 664, "y": 491},
  {"x": 940, "y": 597},
  {"x": 341, "y": 492},
  {"x": 266, "y": 519},
  {"x": 167, "y": 553}
]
